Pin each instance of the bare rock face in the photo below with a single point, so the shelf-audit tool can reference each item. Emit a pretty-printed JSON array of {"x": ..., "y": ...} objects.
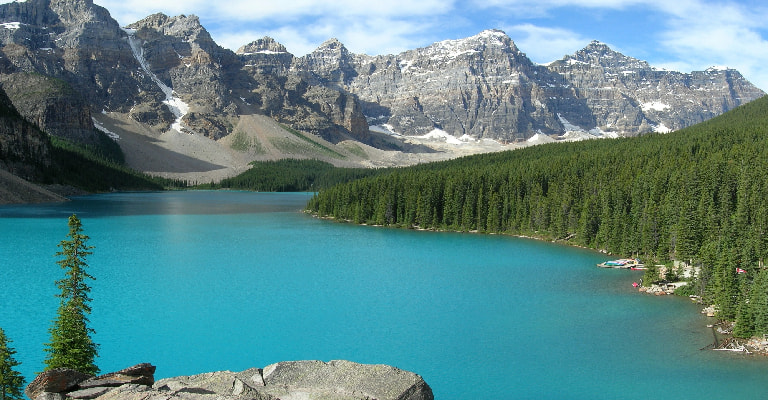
[
  {"x": 285, "y": 91},
  {"x": 183, "y": 55},
  {"x": 628, "y": 96},
  {"x": 483, "y": 86},
  {"x": 266, "y": 56},
  {"x": 76, "y": 43},
  {"x": 23, "y": 147},
  {"x": 51, "y": 104}
]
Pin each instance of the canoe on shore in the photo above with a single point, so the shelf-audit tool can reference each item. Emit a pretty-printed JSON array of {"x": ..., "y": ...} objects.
[{"x": 623, "y": 263}]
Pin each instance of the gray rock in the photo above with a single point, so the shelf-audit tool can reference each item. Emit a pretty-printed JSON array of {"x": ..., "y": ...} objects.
[
  {"x": 630, "y": 97},
  {"x": 140, "y": 374},
  {"x": 50, "y": 396},
  {"x": 57, "y": 380},
  {"x": 342, "y": 379},
  {"x": 252, "y": 377},
  {"x": 89, "y": 393},
  {"x": 484, "y": 86},
  {"x": 224, "y": 383},
  {"x": 334, "y": 380}
]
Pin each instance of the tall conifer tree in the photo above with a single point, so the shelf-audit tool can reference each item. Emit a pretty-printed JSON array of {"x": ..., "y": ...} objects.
[
  {"x": 11, "y": 381},
  {"x": 71, "y": 345}
]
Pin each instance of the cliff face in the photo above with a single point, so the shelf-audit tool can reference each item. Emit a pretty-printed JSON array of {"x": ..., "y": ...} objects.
[
  {"x": 482, "y": 86},
  {"x": 180, "y": 54},
  {"x": 161, "y": 71},
  {"x": 628, "y": 96},
  {"x": 23, "y": 147},
  {"x": 289, "y": 94},
  {"x": 75, "y": 42}
]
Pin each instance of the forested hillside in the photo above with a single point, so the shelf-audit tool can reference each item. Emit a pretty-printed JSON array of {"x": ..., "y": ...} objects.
[
  {"x": 290, "y": 175},
  {"x": 698, "y": 195}
]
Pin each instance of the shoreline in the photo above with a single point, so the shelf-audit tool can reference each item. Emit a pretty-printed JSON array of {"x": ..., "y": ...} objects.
[{"x": 750, "y": 346}]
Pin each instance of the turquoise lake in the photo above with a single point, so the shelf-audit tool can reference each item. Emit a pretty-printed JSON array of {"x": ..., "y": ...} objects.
[{"x": 204, "y": 281}]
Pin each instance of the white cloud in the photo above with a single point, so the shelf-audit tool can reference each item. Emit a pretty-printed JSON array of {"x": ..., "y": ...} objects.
[
  {"x": 543, "y": 45},
  {"x": 726, "y": 34},
  {"x": 373, "y": 36},
  {"x": 372, "y": 27},
  {"x": 261, "y": 10},
  {"x": 688, "y": 34}
]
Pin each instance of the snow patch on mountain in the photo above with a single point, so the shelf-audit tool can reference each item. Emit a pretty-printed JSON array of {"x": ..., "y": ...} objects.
[
  {"x": 98, "y": 125},
  {"x": 539, "y": 138},
  {"x": 385, "y": 128},
  {"x": 177, "y": 106},
  {"x": 441, "y": 135},
  {"x": 575, "y": 133},
  {"x": 11, "y": 25},
  {"x": 661, "y": 128},
  {"x": 655, "y": 106}
]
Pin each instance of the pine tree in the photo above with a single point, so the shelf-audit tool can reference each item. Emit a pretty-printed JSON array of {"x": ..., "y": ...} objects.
[
  {"x": 71, "y": 345},
  {"x": 11, "y": 381}
]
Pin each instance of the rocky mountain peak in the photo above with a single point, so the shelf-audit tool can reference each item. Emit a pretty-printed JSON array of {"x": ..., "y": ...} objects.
[
  {"x": 78, "y": 11},
  {"x": 488, "y": 41},
  {"x": 630, "y": 97},
  {"x": 265, "y": 45},
  {"x": 597, "y": 46},
  {"x": 330, "y": 63},
  {"x": 599, "y": 55},
  {"x": 332, "y": 45},
  {"x": 492, "y": 37},
  {"x": 186, "y": 28}
]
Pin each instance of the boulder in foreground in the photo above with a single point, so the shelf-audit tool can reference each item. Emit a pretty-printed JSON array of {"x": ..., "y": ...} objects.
[{"x": 334, "y": 380}]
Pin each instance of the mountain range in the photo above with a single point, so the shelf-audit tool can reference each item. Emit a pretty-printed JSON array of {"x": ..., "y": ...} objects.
[{"x": 179, "y": 105}]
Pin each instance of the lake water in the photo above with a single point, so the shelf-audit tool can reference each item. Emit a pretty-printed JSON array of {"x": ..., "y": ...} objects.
[{"x": 204, "y": 281}]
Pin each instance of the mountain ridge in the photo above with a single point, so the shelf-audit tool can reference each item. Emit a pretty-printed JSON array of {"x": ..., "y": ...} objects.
[{"x": 163, "y": 82}]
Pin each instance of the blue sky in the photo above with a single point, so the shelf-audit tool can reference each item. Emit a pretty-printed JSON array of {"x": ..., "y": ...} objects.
[{"x": 683, "y": 35}]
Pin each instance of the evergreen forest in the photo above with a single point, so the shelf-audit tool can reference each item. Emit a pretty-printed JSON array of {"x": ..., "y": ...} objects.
[
  {"x": 698, "y": 195},
  {"x": 290, "y": 175}
]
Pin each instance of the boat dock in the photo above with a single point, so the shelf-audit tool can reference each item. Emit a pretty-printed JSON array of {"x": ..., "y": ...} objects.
[{"x": 623, "y": 263}]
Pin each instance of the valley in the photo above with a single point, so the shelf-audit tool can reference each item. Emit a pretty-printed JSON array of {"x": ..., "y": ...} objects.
[{"x": 182, "y": 107}]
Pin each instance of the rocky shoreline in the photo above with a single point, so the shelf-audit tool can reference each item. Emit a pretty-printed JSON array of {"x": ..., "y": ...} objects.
[
  {"x": 722, "y": 331},
  {"x": 288, "y": 380}
]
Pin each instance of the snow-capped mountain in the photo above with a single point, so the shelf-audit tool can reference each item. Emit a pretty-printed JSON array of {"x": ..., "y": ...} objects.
[
  {"x": 628, "y": 96},
  {"x": 484, "y": 86},
  {"x": 68, "y": 67}
]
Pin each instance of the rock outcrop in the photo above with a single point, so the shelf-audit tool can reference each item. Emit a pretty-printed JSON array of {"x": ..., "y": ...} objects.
[
  {"x": 628, "y": 96},
  {"x": 334, "y": 380}
]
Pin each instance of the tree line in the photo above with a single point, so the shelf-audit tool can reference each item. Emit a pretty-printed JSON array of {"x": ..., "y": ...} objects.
[
  {"x": 290, "y": 175},
  {"x": 699, "y": 195},
  {"x": 71, "y": 345}
]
